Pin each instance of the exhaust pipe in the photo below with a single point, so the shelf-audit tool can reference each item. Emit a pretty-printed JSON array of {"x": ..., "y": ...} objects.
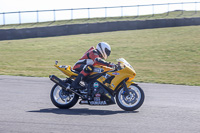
[{"x": 62, "y": 84}]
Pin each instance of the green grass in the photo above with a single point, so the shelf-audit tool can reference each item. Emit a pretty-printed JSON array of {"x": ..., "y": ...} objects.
[
  {"x": 173, "y": 14},
  {"x": 165, "y": 55}
]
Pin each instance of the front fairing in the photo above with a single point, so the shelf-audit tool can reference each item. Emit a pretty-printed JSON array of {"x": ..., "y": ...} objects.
[{"x": 125, "y": 71}]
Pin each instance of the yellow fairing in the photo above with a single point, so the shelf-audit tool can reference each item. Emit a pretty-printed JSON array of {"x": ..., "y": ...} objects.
[
  {"x": 66, "y": 70},
  {"x": 120, "y": 75},
  {"x": 105, "y": 68}
]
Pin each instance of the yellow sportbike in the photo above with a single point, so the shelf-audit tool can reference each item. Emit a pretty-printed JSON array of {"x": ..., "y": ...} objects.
[{"x": 104, "y": 86}]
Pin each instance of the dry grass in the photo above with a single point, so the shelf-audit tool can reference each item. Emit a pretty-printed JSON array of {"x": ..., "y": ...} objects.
[{"x": 165, "y": 55}]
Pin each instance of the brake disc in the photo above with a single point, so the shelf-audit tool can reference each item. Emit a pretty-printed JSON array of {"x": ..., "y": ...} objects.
[{"x": 131, "y": 97}]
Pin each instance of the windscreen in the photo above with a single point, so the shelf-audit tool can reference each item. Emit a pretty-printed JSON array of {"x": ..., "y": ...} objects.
[{"x": 122, "y": 60}]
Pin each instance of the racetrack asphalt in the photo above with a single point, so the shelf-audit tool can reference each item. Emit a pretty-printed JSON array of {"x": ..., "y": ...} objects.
[{"x": 25, "y": 107}]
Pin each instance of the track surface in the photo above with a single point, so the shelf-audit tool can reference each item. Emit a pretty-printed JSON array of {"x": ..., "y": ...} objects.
[{"x": 25, "y": 107}]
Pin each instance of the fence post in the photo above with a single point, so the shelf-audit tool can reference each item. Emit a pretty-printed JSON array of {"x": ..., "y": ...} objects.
[
  {"x": 138, "y": 10},
  {"x": 37, "y": 16},
  {"x": 182, "y": 8},
  {"x": 88, "y": 13},
  {"x": 168, "y": 9},
  {"x": 71, "y": 14},
  {"x": 195, "y": 7},
  {"x": 4, "y": 19},
  {"x": 152, "y": 9},
  {"x": 54, "y": 14},
  {"x": 121, "y": 11},
  {"x": 19, "y": 17},
  {"x": 105, "y": 12}
]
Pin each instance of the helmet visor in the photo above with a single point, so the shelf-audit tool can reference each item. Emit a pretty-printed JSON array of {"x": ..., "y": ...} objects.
[{"x": 107, "y": 51}]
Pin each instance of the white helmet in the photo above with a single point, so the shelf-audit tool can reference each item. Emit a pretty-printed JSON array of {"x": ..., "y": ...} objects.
[{"x": 104, "y": 49}]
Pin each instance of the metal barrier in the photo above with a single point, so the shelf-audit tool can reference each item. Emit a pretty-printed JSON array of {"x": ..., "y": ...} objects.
[{"x": 98, "y": 12}]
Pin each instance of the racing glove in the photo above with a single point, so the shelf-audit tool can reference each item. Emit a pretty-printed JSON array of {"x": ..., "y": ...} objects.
[{"x": 112, "y": 65}]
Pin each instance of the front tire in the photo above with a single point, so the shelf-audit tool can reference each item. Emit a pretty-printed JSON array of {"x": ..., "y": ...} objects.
[
  {"x": 132, "y": 101},
  {"x": 63, "y": 99}
]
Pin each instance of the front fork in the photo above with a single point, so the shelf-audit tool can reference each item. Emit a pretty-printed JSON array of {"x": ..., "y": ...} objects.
[{"x": 126, "y": 90}]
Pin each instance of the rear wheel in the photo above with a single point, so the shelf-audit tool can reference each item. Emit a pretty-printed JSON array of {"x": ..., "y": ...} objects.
[
  {"x": 63, "y": 99},
  {"x": 133, "y": 100}
]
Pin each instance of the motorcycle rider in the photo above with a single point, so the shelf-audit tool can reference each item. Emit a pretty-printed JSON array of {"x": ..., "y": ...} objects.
[{"x": 92, "y": 57}]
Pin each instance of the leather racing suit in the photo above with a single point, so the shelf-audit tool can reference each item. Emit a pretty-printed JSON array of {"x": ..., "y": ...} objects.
[{"x": 87, "y": 62}]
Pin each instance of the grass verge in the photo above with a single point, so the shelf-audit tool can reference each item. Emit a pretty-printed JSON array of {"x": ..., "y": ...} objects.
[{"x": 165, "y": 55}]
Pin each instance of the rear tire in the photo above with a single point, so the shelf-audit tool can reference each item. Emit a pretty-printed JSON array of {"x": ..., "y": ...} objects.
[
  {"x": 63, "y": 99},
  {"x": 132, "y": 101}
]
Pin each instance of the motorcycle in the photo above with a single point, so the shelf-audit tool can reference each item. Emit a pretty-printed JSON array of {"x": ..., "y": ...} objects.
[{"x": 104, "y": 86}]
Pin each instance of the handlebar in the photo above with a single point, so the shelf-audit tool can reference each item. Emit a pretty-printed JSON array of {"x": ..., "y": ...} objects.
[{"x": 118, "y": 67}]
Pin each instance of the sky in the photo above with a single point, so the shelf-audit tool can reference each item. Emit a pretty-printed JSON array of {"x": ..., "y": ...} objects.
[{"x": 33, "y": 5}]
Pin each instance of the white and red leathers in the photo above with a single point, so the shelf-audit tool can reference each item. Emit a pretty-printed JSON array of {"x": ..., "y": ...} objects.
[{"x": 86, "y": 63}]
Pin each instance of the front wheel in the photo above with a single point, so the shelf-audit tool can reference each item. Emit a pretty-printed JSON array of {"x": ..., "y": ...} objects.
[
  {"x": 63, "y": 99},
  {"x": 133, "y": 100}
]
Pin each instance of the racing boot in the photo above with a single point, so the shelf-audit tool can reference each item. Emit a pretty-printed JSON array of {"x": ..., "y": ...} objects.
[{"x": 76, "y": 84}]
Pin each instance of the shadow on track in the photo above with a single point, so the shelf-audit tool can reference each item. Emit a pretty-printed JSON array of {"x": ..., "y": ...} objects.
[{"x": 83, "y": 111}]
